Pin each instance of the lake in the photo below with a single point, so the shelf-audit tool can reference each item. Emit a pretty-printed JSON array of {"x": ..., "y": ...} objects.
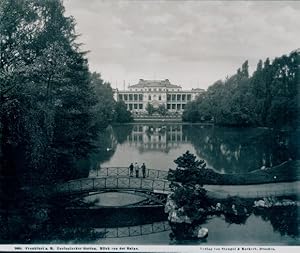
[{"x": 226, "y": 150}]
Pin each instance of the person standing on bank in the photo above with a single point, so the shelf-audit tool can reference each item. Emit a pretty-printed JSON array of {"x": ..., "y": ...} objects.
[
  {"x": 137, "y": 168},
  {"x": 144, "y": 170},
  {"x": 131, "y": 169}
]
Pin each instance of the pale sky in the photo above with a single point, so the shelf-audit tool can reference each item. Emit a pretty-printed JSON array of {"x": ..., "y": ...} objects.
[{"x": 192, "y": 43}]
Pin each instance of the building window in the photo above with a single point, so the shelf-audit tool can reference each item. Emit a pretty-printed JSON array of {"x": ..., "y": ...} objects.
[
  {"x": 154, "y": 96},
  {"x": 168, "y": 106},
  {"x": 149, "y": 89},
  {"x": 188, "y": 97},
  {"x": 173, "y": 97},
  {"x": 130, "y": 107},
  {"x": 135, "y": 106},
  {"x": 183, "y": 106},
  {"x": 135, "y": 97},
  {"x": 140, "y": 97},
  {"x": 121, "y": 96},
  {"x": 149, "y": 97},
  {"x": 183, "y": 97},
  {"x": 159, "y": 89},
  {"x": 178, "y": 97},
  {"x": 178, "y": 106},
  {"x": 159, "y": 97},
  {"x": 168, "y": 97},
  {"x": 173, "y": 107},
  {"x": 154, "y": 89},
  {"x": 130, "y": 97},
  {"x": 140, "y": 106}
]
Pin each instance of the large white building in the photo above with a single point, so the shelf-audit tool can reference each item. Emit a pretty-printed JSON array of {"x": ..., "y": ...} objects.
[{"x": 156, "y": 92}]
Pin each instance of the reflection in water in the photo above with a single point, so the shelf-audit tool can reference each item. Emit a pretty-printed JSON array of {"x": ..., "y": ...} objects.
[
  {"x": 34, "y": 220},
  {"x": 232, "y": 150},
  {"x": 226, "y": 150},
  {"x": 255, "y": 231},
  {"x": 24, "y": 218},
  {"x": 285, "y": 220},
  {"x": 29, "y": 219},
  {"x": 156, "y": 137},
  {"x": 114, "y": 199}
]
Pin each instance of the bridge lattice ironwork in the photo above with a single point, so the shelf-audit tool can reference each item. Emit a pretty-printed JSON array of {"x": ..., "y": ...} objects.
[
  {"x": 125, "y": 171},
  {"x": 79, "y": 186}
]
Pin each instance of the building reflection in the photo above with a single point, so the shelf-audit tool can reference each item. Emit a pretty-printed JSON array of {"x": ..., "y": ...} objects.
[{"x": 157, "y": 137}]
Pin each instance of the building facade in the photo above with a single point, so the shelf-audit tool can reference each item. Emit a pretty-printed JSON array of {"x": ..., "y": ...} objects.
[{"x": 156, "y": 93}]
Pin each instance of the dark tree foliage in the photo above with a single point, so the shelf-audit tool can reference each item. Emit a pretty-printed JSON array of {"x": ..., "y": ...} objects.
[
  {"x": 188, "y": 194},
  {"x": 267, "y": 98},
  {"x": 122, "y": 115},
  {"x": 192, "y": 200},
  {"x": 188, "y": 170},
  {"x": 105, "y": 106},
  {"x": 162, "y": 110},
  {"x": 150, "y": 109},
  {"x": 51, "y": 107}
]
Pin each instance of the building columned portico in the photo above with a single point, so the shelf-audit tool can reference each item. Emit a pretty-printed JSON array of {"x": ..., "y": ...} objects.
[{"x": 156, "y": 93}]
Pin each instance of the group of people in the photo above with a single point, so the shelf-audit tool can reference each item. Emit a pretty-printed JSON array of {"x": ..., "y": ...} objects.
[{"x": 137, "y": 168}]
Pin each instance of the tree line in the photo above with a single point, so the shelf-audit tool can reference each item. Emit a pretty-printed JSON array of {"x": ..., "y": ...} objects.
[
  {"x": 51, "y": 106},
  {"x": 267, "y": 98}
]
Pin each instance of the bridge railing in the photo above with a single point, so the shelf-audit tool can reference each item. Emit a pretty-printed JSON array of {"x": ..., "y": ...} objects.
[
  {"x": 125, "y": 171},
  {"x": 96, "y": 184}
]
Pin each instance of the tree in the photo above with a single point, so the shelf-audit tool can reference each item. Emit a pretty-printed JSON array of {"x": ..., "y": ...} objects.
[
  {"x": 191, "y": 112},
  {"x": 122, "y": 115},
  {"x": 267, "y": 98},
  {"x": 188, "y": 194},
  {"x": 46, "y": 97},
  {"x": 188, "y": 170},
  {"x": 150, "y": 109},
  {"x": 105, "y": 106},
  {"x": 162, "y": 110}
]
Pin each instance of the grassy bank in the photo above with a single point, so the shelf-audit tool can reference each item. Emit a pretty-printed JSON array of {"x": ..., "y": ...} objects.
[{"x": 286, "y": 172}]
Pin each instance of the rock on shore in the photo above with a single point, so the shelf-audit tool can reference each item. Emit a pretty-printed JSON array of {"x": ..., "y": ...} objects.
[{"x": 271, "y": 202}]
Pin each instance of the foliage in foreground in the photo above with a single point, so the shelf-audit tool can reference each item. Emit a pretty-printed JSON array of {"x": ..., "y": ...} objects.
[{"x": 51, "y": 106}]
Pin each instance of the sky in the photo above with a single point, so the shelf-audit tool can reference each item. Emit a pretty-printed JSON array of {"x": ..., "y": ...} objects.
[{"x": 191, "y": 43}]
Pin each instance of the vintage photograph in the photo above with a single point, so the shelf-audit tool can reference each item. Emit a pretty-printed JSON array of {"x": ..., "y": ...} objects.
[{"x": 150, "y": 122}]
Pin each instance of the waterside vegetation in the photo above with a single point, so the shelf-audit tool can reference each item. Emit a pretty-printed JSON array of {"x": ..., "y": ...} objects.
[
  {"x": 52, "y": 107},
  {"x": 193, "y": 171},
  {"x": 189, "y": 206},
  {"x": 267, "y": 98}
]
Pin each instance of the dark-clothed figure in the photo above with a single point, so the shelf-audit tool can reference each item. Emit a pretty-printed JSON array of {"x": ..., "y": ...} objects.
[
  {"x": 131, "y": 169},
  {"x": 144, "y": 170},
  {"x": 137, "y": 169}
]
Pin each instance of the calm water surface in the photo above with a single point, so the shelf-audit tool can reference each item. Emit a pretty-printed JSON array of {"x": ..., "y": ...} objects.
[
  {"x": 255, "y": 231},
  {"x": 226, "y": 150}
]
